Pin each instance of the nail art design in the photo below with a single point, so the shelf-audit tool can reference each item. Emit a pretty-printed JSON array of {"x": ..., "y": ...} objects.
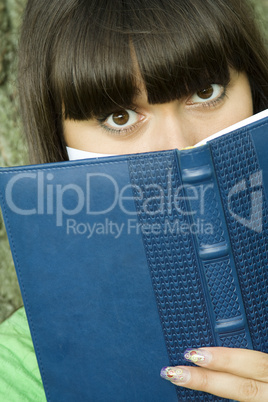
[
  {"x": 174, "y": 374},
  {"x": 197, "y": 356}
]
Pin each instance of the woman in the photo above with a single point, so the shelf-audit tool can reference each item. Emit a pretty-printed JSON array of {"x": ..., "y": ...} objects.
[{"x": 134, "y": 76}]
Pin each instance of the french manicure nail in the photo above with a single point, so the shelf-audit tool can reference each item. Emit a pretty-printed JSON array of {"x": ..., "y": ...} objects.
[
  {"x": 175, "y": 374},
  {"x": 199, "y": 356}
]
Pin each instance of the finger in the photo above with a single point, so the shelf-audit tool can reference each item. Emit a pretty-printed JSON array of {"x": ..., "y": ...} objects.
[
  {"x": 241, "y": 362},
  {"x": 224, "y": 385}
]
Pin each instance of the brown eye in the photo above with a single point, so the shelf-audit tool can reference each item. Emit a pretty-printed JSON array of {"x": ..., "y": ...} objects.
[
  {"x": 123, "y": 119},
  {"x": 205, "y": 93},
  {"x": 213, "y": 93},
  {"x": 120, "y": 118}
]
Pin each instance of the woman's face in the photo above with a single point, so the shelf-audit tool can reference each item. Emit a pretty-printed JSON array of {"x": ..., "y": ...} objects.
[{"x": 176, "y": 124}]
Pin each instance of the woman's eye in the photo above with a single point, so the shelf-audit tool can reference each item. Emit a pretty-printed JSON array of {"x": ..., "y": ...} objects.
[
  {"x": 213, "y": 92},
  {"x": 122, "y": 119}
]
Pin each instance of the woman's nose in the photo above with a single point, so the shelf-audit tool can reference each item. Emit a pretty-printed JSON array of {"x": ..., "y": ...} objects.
[{"x": 172, "y": 132}]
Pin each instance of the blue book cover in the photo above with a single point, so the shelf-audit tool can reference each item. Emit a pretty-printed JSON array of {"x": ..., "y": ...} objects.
[{"x": 124, "y": 262}]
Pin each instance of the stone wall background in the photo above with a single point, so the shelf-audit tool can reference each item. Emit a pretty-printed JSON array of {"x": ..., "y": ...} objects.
[{"x": 12, "y": 147}]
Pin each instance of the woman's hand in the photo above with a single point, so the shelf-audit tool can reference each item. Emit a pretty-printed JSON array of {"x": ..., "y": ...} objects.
[{"x": 237, "y": 374}]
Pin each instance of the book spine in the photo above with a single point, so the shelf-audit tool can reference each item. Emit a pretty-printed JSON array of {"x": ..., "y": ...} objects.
[{"x": 213, "y": 248}]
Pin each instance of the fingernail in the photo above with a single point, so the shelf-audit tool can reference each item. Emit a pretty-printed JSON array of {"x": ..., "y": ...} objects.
[
  {"x": 199, "y": 356},
  {"x": 175, "y": 374}
]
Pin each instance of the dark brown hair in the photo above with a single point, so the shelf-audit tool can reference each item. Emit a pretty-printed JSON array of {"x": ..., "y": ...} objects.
[{"x": 76, "y": 58}]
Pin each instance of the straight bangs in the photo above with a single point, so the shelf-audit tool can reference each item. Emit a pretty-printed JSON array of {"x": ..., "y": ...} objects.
[{"x": 171, "y": 48}]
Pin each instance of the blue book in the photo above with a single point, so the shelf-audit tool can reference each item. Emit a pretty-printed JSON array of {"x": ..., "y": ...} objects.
[{"x": 126, "y": 261}]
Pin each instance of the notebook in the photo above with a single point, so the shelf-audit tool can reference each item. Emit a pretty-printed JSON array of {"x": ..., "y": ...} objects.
[{"x": 126, "y": 261}]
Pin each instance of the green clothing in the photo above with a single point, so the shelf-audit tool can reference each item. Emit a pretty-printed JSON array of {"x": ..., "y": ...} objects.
[{"x": 20, "y": 379}]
